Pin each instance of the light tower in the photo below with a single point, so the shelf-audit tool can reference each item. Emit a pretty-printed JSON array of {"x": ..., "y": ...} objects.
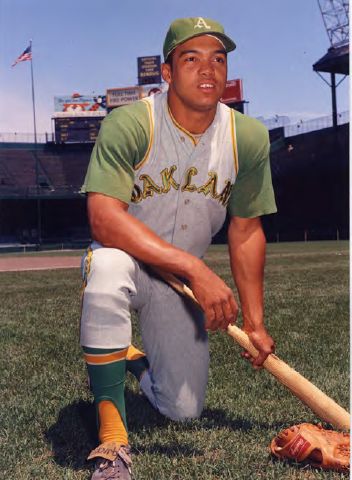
[{"x": 335, "y": 15}]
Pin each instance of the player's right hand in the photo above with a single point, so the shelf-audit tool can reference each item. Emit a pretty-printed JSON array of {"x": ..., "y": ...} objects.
[
  {"x": 263, "y": 342},
  {"x": 215, "y": 297}
]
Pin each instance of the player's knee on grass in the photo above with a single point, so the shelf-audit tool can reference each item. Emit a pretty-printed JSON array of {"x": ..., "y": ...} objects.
[
  {"x": 185, "y": 407},
  {"x": 181, "y": 413},
  {"x": 178, "y": 401}
]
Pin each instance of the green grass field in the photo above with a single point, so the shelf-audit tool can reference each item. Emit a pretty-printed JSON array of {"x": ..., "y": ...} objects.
[{"x": 47, "y": 423}]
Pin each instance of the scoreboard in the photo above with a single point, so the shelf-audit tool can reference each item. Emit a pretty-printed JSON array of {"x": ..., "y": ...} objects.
[{"x": 78, "y": 129}]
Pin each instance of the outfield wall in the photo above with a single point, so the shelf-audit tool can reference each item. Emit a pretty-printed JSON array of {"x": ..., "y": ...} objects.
[{"x": 311, "y": 182}]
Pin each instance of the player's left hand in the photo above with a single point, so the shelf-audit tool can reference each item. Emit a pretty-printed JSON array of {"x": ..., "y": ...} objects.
[{"x": 263, "y": 342}]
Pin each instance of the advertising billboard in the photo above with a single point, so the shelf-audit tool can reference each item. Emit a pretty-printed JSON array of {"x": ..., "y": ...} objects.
[
  {"x": 149, "y": 70},
  {"x": 116, "y": 97},
  {"x": 233, "y": 92},
  {"x": 155, "y": 88},
  {"x": 79, "y": 103}
]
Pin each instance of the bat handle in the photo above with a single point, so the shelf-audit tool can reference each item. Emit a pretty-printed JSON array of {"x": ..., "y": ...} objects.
[{"x": 242, "y": 339}]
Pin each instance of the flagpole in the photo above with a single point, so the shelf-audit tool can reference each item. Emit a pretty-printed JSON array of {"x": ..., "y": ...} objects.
[
  {"x": 33, "y": 98},
  {"x": 39, "y": 217}
]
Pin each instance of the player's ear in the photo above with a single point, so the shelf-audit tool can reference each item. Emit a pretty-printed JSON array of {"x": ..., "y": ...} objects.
[{"x": 166, "y": 72}]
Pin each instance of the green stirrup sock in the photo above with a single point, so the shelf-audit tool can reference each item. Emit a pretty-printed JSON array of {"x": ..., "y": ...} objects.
[{"x": 107, "y": 372}]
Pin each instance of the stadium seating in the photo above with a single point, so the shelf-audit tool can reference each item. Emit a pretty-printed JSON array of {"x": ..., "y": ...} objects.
[{"x": 39, "y": 188}]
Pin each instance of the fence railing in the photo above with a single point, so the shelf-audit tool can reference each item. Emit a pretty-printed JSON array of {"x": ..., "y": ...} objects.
[
  {"x": 17, "y": 137},
  {"x": 305, "y": 126},
  {"x": 34, "y": 190}
]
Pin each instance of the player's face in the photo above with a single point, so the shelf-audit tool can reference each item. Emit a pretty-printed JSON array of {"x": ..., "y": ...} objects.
[{"x": 197, "y": 76}]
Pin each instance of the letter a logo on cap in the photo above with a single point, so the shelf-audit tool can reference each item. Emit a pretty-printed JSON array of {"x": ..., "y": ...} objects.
[{"x": 201, "y": 24}]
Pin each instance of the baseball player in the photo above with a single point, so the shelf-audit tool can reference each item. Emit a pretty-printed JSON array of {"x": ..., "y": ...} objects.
[{"x": 163, "y": 174}]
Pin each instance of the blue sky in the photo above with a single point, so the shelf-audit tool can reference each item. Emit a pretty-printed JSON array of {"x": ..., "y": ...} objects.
[{"x": 87, "y": 46}]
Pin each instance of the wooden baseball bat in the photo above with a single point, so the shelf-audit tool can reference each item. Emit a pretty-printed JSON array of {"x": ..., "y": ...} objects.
[{"x": 322, "y": 405}]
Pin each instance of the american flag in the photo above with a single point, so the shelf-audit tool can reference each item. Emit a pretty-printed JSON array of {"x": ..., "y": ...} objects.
[{"x": 26, "y": 55}]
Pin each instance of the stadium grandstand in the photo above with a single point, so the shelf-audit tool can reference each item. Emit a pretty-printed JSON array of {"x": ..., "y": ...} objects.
[{"x": 40, "y": 183}]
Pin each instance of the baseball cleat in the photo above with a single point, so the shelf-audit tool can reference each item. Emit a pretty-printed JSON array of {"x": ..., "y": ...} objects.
[{"x": 116, "y": 467}]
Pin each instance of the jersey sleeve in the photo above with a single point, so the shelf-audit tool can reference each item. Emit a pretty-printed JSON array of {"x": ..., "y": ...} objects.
[
  {"x": 121, "y": 144},
  {"x": 252, "y": 194}
]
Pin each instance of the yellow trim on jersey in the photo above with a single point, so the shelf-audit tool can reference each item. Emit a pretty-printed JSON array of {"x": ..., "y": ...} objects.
[
  {"x": 105, "y": 358},
  {"x": 234, "y": 139},
  {"x": 151, "y": 136},
  {"x": 186, "y": 132}
]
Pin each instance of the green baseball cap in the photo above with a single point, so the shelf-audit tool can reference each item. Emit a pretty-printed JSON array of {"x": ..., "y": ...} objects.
[{"x": 183, "y": 29}]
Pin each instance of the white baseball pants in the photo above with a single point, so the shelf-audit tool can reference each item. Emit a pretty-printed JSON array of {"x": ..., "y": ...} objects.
[{"x": 172, "y": 329}]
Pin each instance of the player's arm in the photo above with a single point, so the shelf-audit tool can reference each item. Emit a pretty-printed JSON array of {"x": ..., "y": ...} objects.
[
  {"x": 247, "y": 257},
  {"x": 251, "y": 197},
  {"x": 113, "y": 226}
]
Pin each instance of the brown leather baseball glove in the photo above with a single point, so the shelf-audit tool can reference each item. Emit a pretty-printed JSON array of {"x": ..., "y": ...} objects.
[{"x": 313, "y": 444}]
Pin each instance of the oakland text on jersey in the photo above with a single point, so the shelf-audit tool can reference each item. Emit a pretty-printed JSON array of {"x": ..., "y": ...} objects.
[{"x": 167, "y": 181}]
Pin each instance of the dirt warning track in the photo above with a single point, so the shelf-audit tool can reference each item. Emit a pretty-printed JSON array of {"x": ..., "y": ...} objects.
[{"x": 22, "y": 264}]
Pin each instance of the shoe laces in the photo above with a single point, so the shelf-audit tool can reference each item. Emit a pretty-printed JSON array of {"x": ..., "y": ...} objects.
[{"x": 123, "y": 454}]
